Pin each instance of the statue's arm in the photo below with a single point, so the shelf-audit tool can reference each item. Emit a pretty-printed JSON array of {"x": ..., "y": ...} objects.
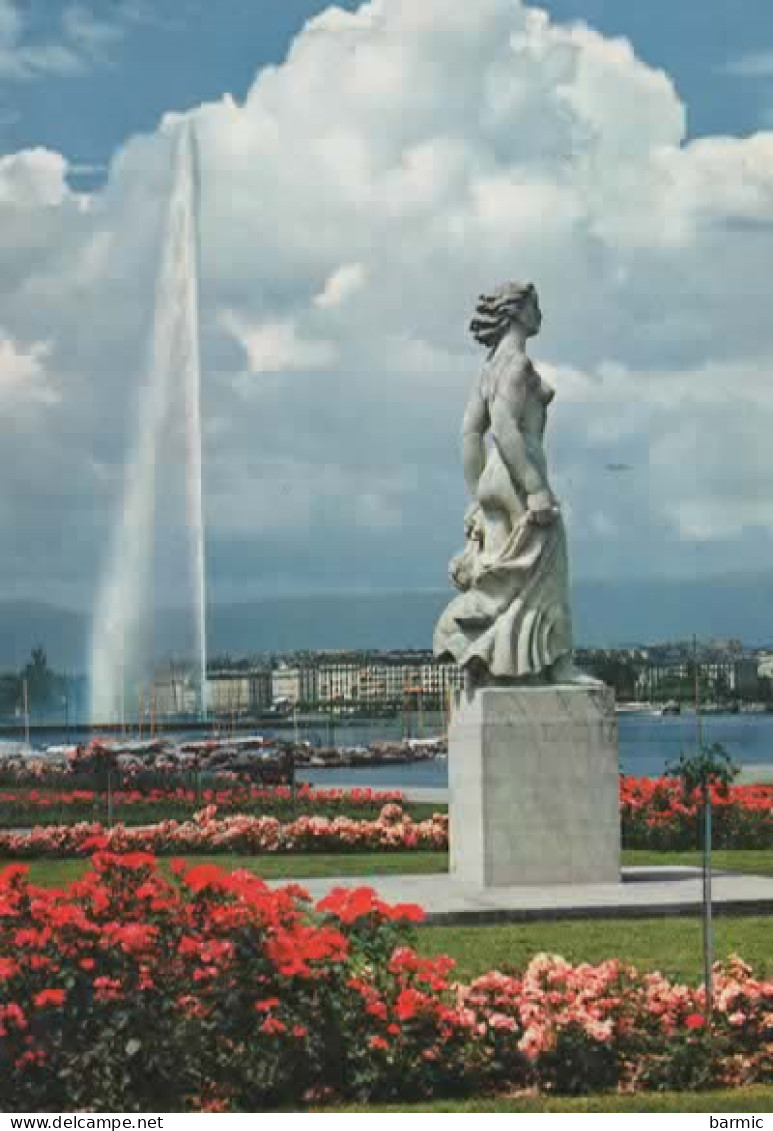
[
  {"x": 474, "y": 427},
  {"x": 528, "y": 474}
]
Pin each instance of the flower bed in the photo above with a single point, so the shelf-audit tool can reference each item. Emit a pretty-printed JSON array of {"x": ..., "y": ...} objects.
[
  {"x": 130, "y": 992},
  {"x": 657, "y": 813},
  {"x": 393, "y": 830},
  {"x": 27, "y": 807}
]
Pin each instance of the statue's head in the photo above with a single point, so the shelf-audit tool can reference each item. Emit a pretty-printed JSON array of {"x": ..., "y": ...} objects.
[{"x": 506, "y": 305}]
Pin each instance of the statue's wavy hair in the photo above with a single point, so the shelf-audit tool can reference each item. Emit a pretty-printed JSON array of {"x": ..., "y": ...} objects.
[{"x": 499, "y": 308}]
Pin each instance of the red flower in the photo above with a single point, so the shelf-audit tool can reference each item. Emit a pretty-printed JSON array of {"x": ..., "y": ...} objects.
[
  {"x": 695, "y": 1021},
  {"x": 49, "y": 997},
  {"x": 133, "y": 938},
  {"x": 108, "y": 989},
  {"x": 204, "y": 876},
  {"x": 12, "y": 873},
  {"x": 409, "y": 1004},
  {"x": 273, "y": 1026},
  {"x": 7, "y": 968},
  {"x": 408, "y": 912},
  {"x": 136, "y": 860}
]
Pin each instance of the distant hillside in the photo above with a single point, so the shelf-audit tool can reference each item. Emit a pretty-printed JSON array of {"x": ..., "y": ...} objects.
[
  {"x": 26, "y": 624},
  {"x": 621, "y": 612},
  {"x": 606, "y": 613},
  {"x": 362, "y": 621}
]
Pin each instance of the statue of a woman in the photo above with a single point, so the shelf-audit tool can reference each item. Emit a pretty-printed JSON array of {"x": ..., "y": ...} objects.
[{"x": 512, "y": 620}]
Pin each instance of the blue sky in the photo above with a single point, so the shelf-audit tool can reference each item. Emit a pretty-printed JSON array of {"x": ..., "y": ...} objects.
[
  {"x": 358, "y": 192},
  {"x": 171, "y": 54}
]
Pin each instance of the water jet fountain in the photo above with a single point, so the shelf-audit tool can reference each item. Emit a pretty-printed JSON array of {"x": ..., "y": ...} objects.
[{"x": 120, "y": 652}]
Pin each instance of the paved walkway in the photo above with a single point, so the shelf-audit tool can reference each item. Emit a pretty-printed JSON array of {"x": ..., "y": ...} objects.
[{"x": 643, "y": 892}]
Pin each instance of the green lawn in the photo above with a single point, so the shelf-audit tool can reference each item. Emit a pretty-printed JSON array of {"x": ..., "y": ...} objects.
[
  {"x": 54, "y": 873},
  {"x": 299, "y": 866},
  {"x": 740, "y": 1100},
  {"x": 758, "y": 861},
  {"x": 670, "y": 945}
]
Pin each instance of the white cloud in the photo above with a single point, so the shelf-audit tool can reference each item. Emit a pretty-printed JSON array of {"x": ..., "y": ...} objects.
[
  {"x": 405, "y": 157},
  {"x": 33, "y": 178},
  {"x": 752, "y": 65},
  {"x": 341, "y": 285},
  {"x": 83, "y": 37},
  {"x": 23, "y": 373},
  {"x": 273, "y": 347}
]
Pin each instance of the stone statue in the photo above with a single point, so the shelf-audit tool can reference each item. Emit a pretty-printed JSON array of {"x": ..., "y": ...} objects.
[{"x": 511, "y": 622}]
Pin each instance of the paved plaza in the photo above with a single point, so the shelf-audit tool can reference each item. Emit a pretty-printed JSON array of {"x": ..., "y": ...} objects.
[{"x": 642, "y": 892}]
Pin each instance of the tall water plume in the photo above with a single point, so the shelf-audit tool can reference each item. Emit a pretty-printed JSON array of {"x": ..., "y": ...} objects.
[{"x": 121, "y": 641}]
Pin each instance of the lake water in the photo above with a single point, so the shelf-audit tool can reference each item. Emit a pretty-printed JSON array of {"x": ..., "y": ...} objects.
[{"x": 647, "y": 744}]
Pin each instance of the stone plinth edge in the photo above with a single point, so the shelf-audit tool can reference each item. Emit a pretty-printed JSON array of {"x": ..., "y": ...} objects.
[{"x": 534, "y": 786}]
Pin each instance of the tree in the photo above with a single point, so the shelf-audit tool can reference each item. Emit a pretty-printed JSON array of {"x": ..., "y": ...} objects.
[
  {"x": 41, "y": 680},
  {"x": 766, "y": 689},
  {"x": 708, "y": 766},
  {"x": 722, "y": 688},
  {"x": 617, "y": 672},
  {"x": 10, "y": 693}
]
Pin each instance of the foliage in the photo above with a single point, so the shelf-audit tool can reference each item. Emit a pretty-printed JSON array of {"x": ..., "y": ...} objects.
[
  {"x": 143, "y": 804},
  {"x": 656, "y": 813},
  {"x": 664, "y": 814},
  {"x": 708, "y": 766},
  {"x": 45, "y": 688},
  {"x": 616, "y": 672},
  {"x": 132, "y": 992}
]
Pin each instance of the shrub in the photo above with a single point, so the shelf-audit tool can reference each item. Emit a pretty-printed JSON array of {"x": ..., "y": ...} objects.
[{"x": 131, "y": 992}]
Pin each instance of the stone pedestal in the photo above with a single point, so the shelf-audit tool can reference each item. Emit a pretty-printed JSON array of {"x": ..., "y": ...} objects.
[{"x": 534, "y": 790}]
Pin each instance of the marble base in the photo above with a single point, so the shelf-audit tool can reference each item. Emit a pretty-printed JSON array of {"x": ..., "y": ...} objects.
[{"x": 533, "y": 786}]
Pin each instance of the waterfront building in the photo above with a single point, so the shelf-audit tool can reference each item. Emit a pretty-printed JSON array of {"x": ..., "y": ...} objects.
[
  {"x": 235, "y": 692},
  {"x": 336, "y": 683},
  {"x": 294, "y": 685},
  {"x": 721, "y": 674},
  {"x": 358, "y": 680},
  {"x": 175, "y": 692},
  {"x": 439, "y": 680}
]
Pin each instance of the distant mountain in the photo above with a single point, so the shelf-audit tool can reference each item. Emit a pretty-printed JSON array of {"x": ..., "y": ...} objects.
[
  {"x": 605, "y": 613},
  {"x": 359, "y": 621},
  {"x": 61, "y": 632},
  {"x": 622, "y": 612}
]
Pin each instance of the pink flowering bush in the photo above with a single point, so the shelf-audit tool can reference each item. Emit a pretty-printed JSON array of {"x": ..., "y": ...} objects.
[
  {"x": 655, "y": 813},
  {"x": 393, "y": 830},
  {"x": 128, "y": 991}
]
